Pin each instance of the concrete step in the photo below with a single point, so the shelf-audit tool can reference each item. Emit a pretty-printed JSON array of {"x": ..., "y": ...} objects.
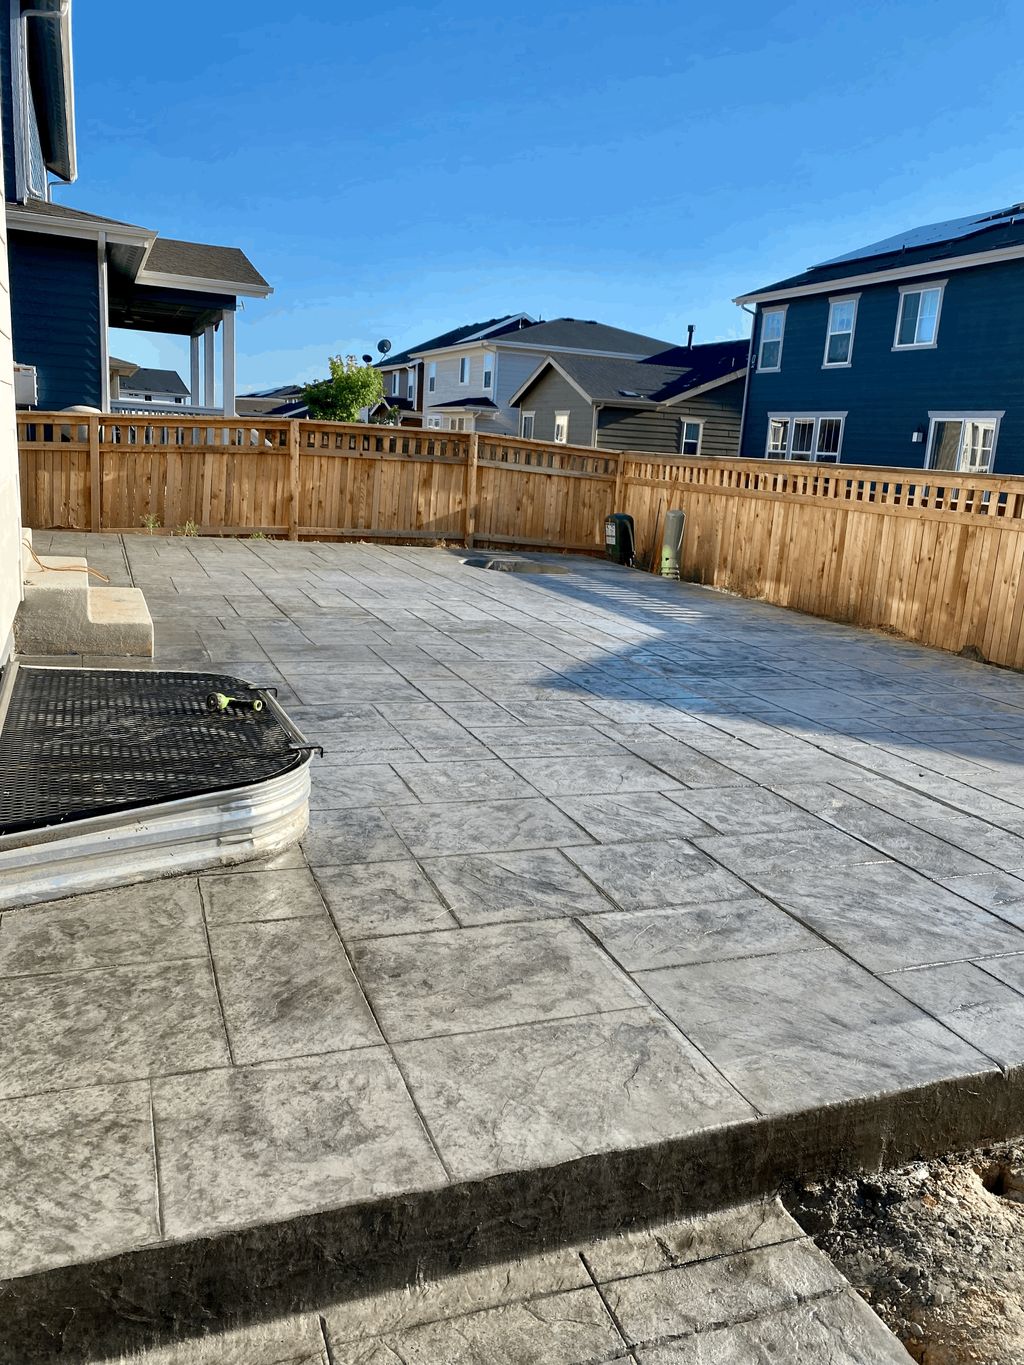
[{"x": 63, "y": 613}]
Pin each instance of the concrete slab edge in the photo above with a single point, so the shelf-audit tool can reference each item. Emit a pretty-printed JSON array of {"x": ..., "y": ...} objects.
[{"x": 165, "y": 1292}]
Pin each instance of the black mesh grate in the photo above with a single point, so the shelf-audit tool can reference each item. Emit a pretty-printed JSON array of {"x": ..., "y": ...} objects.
[{"x": 82, "y": 742}]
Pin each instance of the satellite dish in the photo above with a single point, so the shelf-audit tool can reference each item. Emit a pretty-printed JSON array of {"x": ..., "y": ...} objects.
[
  {"x": 367, "y": 359},
  {"x": 384, "y": 346}
]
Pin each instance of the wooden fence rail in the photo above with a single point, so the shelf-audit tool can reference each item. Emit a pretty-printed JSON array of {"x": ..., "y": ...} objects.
[{"x": 934, "y": 556}]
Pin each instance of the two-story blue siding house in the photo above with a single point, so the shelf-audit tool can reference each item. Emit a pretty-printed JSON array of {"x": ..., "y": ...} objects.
[
  {"x": 908, "y": 352},
  {"x": 74, "y": 275}
]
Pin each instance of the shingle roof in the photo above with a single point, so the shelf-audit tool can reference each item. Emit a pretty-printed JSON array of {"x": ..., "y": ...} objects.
[
  {"x": 483, "y": 403},
  {"x": 667, "y": 374},
  {"x": 203, "y": 262},
  {"x": 918, "y": 246},
  {"x": 588, "y": 336},
  {"x": 41, "y": 208},
  {"x": 451, "y": 338},
  {"x": 270, "y": 407},
  {"x": 156, "y": 381}
]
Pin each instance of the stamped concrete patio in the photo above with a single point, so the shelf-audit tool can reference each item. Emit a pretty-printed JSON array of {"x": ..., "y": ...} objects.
[{"x": 620, "y": 898}]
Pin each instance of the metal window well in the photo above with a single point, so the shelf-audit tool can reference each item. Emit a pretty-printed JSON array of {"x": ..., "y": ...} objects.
[{"x": 112, "y": 775}]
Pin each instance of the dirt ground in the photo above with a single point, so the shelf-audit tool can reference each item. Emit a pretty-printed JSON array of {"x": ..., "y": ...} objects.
[{"x": 936, "y": 1248}]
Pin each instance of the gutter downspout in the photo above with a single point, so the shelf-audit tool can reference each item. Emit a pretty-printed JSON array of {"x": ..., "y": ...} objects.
[{"x": 750, "y": 371}]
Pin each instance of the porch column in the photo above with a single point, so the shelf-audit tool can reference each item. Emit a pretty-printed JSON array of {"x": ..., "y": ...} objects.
[
  {"x": 210, "y": 376},
  {"x": 193, "y": 355},
  {"x": 227, "y": 339}
]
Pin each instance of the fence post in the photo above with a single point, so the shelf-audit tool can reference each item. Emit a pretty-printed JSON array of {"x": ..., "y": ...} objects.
[
  {"x": 472, "y": 456},
  {"x": 293, "y": 479},
  {"x": 618, "y": 482},
  {"x": 95, "y": 482}
]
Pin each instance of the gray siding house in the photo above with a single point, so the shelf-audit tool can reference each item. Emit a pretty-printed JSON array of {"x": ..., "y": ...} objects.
[
  {"x": 906, "y": 352},
  {"x": 469, "y": 385},
  {"x": 686, "y": 400}
]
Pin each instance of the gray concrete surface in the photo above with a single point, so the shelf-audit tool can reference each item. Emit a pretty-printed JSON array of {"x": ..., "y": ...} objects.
[
  {"x": 730, "y": 1288},
  {"x": 604, "y": 873}
]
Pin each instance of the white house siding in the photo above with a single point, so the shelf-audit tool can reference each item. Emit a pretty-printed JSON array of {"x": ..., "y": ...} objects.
[
  {"x": 10, "y": 492},
  {"x": 511, "y": 369}
]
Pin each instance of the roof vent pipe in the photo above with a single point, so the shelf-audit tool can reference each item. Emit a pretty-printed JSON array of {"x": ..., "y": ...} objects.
[{"x": 689, "y": 336}]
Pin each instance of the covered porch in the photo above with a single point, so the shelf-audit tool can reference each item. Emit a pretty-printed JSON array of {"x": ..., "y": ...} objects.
[{"x": 75, "y": 276}]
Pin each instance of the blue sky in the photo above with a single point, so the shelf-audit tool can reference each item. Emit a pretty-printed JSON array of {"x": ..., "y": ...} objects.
[{"x": 395, "y": 170}]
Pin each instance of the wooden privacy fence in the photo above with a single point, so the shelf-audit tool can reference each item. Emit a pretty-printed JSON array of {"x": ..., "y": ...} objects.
[
  {"x": 934, "y": 556},
  {"x": 310, "y": 480}
]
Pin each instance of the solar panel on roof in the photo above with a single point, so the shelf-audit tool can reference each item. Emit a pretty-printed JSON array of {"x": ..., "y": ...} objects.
[{"x": 928, "y": 235}]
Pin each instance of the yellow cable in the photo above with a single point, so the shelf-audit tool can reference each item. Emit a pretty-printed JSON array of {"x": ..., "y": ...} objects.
[{"x": 64, "y": 568}]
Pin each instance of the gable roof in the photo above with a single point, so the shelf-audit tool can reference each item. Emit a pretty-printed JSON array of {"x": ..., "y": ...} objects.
[
  {"x": 156, "y": 381},
  {"x": 469, "y": 331},
  {"x": 575, "y": 334},
  {"x": 950, "y": 245},
  {"x": 668, "y": 375}
]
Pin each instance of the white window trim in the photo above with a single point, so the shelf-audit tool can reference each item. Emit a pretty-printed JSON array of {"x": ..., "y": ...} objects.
[
  {"x": 685, "y": 422},
  {"x": 464, "y": 366},
  {"x": 940, "y": 285},
  {"x": 558, "y": 417},
  {"x": 817, "y": 418},
  {"x": 933, "y": 417},
  {"x": 827, "y": 364},
  {"x": 483, "y": 374},
  {"x": 395, "y": 383},
  {"x": 435, "y": 423},
  {"x": 522, "y": 423},
  {"x": 432, "y": 377},
  {"x": 771, "y": 369}
]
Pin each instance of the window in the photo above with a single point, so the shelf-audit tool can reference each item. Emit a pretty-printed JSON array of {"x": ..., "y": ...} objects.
[
  {"x": 842, "y": 319},
  {"x": 562, "y": 428},
  {"x": 773, "y": 324},
  {"x": 918, "y": 321},
  {"x": 462, "y": 424},
  {"x": 464, "y": 369},
  {"x": 816, "y": 436},
  {"x": 526, "y": 420},
  {"x": 410, "y": 387},
  {"x": 432, "y": 376},
  {"x": 963, "y": 441},
  {"x": 434, "y": 422},
  {"x": 690, "y": 438},
  {"x": 394, "y": 384},
  {"x": 488, "y": 370}
]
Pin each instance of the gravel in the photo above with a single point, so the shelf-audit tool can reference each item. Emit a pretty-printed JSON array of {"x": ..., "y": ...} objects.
[{"x": 936, "y": 1248}]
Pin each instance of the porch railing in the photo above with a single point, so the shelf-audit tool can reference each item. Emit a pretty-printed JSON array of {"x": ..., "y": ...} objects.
[{"x": 937, "y": 557}]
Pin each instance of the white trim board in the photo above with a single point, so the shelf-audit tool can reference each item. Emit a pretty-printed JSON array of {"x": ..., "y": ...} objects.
[{"x": 905, "y": 272}]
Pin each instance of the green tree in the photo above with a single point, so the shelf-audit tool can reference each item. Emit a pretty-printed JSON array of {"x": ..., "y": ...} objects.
[{"x": 351, "y": 386}]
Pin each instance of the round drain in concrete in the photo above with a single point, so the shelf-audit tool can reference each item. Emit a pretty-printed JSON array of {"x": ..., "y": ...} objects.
[{"x": 512, "y": 564}]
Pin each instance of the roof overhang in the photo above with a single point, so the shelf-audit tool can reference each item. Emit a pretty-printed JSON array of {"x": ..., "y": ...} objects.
[
  {"x": 698, "y": 389},
  {"x": 50, "y": 54},
  {"x": 21, "y": 219},
  {"x": 198, "y": 284},
  {"x": 902, "y": 272}
]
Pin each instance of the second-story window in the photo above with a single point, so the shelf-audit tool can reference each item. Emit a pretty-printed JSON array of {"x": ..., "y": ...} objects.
[
  {"x": 917, "y": 323},
  {"x": 773, "y": 324},
  {"x": 488, "y": 370},
  {"x": 842, "y": 319},
  {"x": 432, "y": 376},
  {"x": 410, "y": 387},
  {"x": 562, "y": 428},
  {"x": 394, "y": 384},
  {"x": 464, "y": 369}
]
